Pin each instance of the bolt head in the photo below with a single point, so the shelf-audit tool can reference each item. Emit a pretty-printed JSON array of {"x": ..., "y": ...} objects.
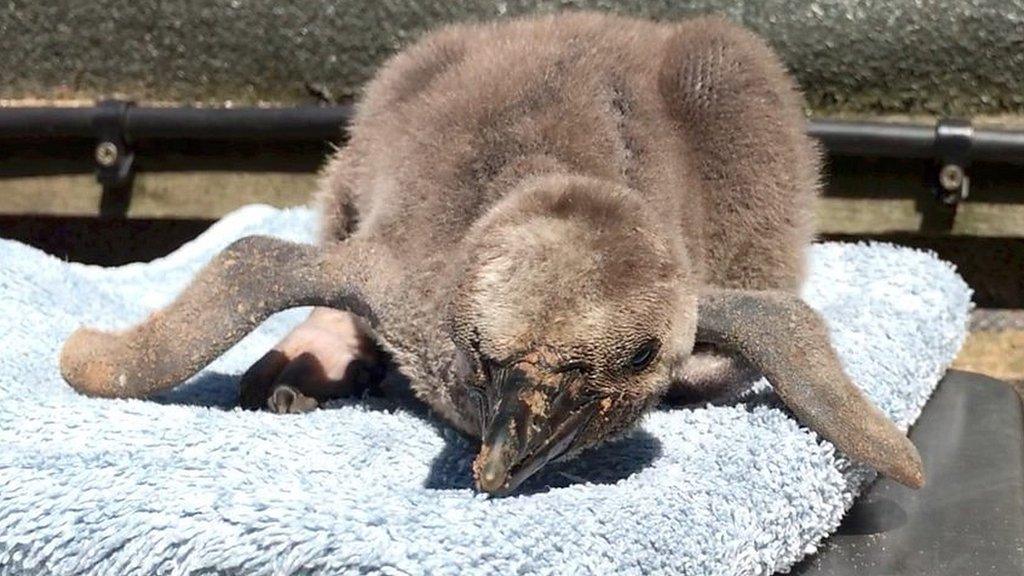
[
  {"x": 951, "y": 178},
  {"x": 106, "y": 154}
]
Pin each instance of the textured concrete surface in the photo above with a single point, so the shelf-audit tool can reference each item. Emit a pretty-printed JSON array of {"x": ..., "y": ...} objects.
[{"x": 855, "y": 56}]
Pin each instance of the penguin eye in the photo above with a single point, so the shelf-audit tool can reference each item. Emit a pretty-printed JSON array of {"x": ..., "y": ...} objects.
[{"x": 644, "y": 355}]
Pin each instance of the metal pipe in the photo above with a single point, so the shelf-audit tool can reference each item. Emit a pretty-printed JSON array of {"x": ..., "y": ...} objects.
[
  {"x": 998, "y": 146},
  {"x": 848, "y": 138},
  {"x": 304, "y": 123},
  {"x": 892, "y": 140},
  {"x": 839, "y": 137},
  {"x": 290, "y": 124},
  {"x": 46, "y": 122}
]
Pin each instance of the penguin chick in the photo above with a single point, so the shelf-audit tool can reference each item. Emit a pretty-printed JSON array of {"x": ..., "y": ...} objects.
[{"x": 548, "y": 224}]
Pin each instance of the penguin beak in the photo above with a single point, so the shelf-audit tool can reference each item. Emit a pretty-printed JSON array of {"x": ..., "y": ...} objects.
[{"x": 536, "y": 418}]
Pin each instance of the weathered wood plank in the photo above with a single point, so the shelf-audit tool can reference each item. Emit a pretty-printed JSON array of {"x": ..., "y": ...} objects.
[
  {"x": 867, "y": 215},
  {"x": 211, "y": 194},
  {"x": 157, "y": 194},
  {"x": 998, "y": 354},
  {"x": 885, "y": 215}
]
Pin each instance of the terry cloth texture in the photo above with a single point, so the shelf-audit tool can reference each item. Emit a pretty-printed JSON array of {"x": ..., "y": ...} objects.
[{"x": 187, "y": 483}]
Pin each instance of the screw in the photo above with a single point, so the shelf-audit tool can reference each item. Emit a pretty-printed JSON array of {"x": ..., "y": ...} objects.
[
  {"x": 951, "y": 177},
  {"x": 106, "y": 154}
]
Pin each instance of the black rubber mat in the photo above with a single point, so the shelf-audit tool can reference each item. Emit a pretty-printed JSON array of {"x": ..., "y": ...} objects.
[{"x": 969, "y": 517}]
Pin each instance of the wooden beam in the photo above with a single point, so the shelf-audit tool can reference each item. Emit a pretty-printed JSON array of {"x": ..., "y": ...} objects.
[
  {"x": 158, "y": 194},
  {"x": 998, "y": 354},
  {"x": 887, "y": 215},
  {"x": 210, "y": 194}
]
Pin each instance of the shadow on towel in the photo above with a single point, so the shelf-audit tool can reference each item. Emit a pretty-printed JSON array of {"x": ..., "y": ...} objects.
[
  {"x": 218, "y": 390},
  {"x": 605, "y": 464},
  {"x": 452, "y": 468},
  {"x": 209, "y": 389}
]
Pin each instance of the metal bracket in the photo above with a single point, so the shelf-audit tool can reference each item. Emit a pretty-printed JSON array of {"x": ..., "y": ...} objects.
[
  {"x": 950, "y": 181},
  {"x": 114, "y": 157},
  {"x": 953, "y": 140}
]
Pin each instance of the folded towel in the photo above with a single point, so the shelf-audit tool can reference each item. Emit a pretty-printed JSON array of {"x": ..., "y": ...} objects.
[{"x": 188, "y": 483}]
